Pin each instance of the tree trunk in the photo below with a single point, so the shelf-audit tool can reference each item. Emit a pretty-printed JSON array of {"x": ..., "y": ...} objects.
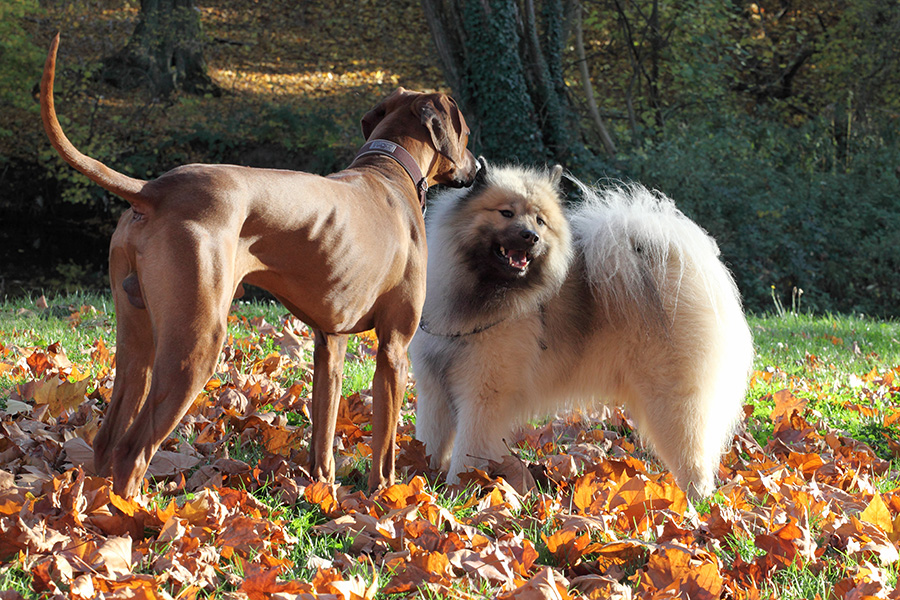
[
  {"x": 449, "y": 40},
  {"x": 165, "y": 52},
  {"x": 657, "y": 42},
  {"x": 506, "y": 80}
]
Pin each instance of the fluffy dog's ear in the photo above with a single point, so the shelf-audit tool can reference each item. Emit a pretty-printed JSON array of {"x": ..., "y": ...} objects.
[
  {"x": 480, "y": 180},
  {"x": 372, "y": 118},
  {"x": 482, "y": 167},
  {"x": 556, "y": 175}
]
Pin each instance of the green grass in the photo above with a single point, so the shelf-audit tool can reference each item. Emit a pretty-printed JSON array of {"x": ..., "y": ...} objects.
[
  {"x": 824, "y": 360},
  {"x": 14, "y": 578},
  {"x": 74, "y": 320}
]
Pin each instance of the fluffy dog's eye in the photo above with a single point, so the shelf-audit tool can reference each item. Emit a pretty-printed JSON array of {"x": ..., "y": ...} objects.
[
  {"x": 507, "y": 213},
  {"x": 540, "y": 222}
]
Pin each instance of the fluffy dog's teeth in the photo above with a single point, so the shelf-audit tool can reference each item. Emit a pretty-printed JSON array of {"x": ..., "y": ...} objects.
[{"x": 502, "y": 250}]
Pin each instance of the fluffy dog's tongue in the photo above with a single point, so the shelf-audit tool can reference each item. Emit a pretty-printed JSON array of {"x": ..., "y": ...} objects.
[{"x": 518, "y": 259}]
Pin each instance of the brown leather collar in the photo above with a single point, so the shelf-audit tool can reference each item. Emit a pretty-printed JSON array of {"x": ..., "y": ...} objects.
[{"x": 398, "y": 153}]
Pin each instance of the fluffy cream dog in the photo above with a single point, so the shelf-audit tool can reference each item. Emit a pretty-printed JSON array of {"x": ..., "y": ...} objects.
[{"x": 532, "y": 309}]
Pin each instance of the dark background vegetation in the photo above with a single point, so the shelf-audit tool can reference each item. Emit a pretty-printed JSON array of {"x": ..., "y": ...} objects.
[{"x": 773, "y": 124}]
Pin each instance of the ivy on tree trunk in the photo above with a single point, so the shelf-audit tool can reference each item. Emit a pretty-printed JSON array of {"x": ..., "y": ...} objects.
[
  {"x": 165, "y": 52},
  {"x": 505, "y": 69}
]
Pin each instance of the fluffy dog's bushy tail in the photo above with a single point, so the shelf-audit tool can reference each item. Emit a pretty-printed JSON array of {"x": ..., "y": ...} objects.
[
  {"x": 643, "y": 254},
  {"x": 678, "y": 318}
]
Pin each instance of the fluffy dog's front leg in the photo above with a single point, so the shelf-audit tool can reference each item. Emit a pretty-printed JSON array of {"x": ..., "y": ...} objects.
[
  {"x": 435, "y": 411},
  {"x": 483, "y": 425}
]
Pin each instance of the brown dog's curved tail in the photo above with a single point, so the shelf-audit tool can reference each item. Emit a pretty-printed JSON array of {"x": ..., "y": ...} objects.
[{"x": 119, "y": 184}]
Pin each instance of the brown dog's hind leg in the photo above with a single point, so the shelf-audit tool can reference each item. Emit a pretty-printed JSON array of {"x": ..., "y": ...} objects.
[
  {"x": 328, "y": 365},
  {"x": 185, "y": 360},
  {"x": 187, "y": 287},
  {"x": 134, "y": 357}
]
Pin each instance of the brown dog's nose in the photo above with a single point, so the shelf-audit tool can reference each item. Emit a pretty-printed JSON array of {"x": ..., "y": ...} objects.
[{"x": 530, "y": 236}]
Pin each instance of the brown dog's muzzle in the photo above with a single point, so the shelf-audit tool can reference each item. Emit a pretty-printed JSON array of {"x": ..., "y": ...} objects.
[{"x": 464, "y": 176}]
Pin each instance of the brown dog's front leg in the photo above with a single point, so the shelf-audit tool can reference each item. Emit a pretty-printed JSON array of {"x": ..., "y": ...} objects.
[
  {"x": 328, "y": 366},
  {"x": 388, "y": 387}
]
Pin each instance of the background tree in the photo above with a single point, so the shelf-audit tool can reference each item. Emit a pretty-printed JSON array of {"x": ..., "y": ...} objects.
[
  {"x": 165, "y": 51},
  {"x": 503, "y": 59}
]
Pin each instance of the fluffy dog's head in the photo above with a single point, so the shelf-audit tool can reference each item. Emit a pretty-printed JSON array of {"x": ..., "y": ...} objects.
[{"x": 502, "y": 244}]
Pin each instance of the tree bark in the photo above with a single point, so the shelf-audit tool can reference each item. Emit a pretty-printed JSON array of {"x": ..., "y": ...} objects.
[
  {"x": 165, "y": 52},
  {"x": 503, "y": 60},
  {"x": 449, "y": 40}
]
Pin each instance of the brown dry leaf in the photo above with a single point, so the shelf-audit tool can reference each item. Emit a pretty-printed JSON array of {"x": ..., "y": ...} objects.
[
  {"x": 491, "y": 566},
  {"x": 567, "y": 546},
  {"x": 861, "y": 538},
  {"x": 38, "y": 362},
  {"x": 112, "y": 557},
  {"x": 545, "y": 585},
  {"x": 410, "y": 576},
  {"x": 241, "y": 535},
  {"x": 600, "y": 587},
  {"x": 83, "y": 588},
  {"x": 786, "y": 404},
  {"x": 166, "y": 463},
  {"x": 674, "y": 569},
  {"x": 295, "y": 347},
  {"x": 584, "y": 490},
  {"x": 56, "y": 354},
  {"x": 100, "y": 353},
  {"x": 788, "y": 544},
  {"x": 353, "y": 588},
  {"x": 80, "y": 454},
  {"x": 262, "y": 584},
  {"x": 878, "y": 514},
  {"x": 401, "y": 495},
  {"x": 323, "y": 495},
  {"x": 59, "y": 396}
]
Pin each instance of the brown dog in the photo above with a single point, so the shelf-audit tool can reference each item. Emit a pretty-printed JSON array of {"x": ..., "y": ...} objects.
[{"x": 344, "y": 253}]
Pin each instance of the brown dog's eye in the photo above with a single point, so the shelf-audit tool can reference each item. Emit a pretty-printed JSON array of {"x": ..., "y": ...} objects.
[
  {"x": 507, "y": 213},
  {"x": 540, "y": 222}
]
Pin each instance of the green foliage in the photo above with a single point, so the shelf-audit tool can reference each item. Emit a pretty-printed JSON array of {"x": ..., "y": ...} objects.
[
  {"x": 268, "y": 135},
  {"x": 17, "y": 59},
  {"x": 786, "y": 210}
]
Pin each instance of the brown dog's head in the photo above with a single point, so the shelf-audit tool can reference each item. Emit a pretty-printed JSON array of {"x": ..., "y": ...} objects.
[{"x": 437, "y": 121}]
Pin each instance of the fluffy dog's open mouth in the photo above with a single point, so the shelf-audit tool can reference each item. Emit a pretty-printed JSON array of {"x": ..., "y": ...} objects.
[{"x": 515, "y": 259}]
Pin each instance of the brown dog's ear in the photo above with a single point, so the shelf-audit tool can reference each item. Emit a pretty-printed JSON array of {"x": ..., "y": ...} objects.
[
  {"x": 372, "y": 118},
  {"x": 556, "y": 175},
  {"x": 430, "y": 114}
]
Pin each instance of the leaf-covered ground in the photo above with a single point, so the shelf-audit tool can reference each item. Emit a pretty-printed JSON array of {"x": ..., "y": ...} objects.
[{"x": 804, "y": 509}]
